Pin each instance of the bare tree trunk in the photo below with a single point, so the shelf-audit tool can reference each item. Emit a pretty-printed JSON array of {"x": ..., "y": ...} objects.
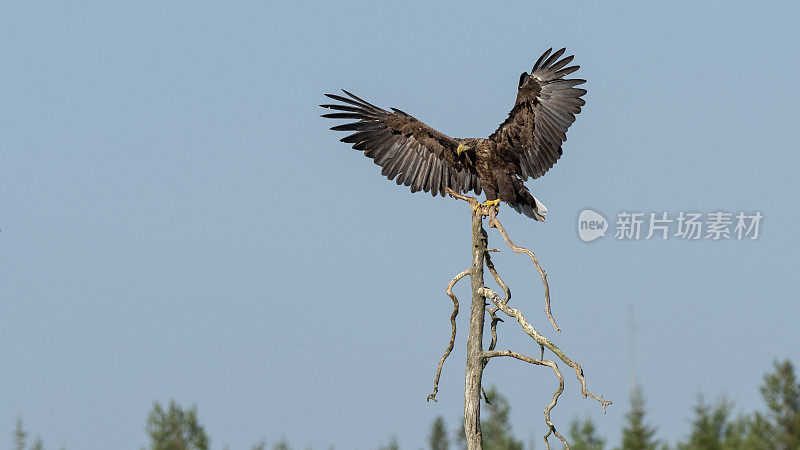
[
  {"x": 472, "y": 391},
  {"x": 476, "y": 356}
]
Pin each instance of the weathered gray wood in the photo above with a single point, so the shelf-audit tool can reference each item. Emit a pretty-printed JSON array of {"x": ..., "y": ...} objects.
[
  {"x": 476, "y": 357},
  {"x": 472, "y": 390}
]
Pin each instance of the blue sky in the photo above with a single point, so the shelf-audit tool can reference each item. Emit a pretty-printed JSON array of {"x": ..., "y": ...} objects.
[{"x": 176, "y": 221}]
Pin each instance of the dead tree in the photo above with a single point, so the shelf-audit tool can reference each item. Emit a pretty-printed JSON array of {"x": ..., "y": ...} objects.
[{"x": 477, "y": 357}]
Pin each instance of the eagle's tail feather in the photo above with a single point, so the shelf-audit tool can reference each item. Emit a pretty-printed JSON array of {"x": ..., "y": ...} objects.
[
  {"x": 526, "y": 203},
  {"x": 533, "y": 208}
]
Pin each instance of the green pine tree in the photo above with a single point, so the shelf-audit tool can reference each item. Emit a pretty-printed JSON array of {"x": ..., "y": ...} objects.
[
  {"x": 636, "y": 434},
  {"x": 496, "y": 429},
  {"x": 19, "y": 435},
  {"x": 175, "y": 429},
  {"x": 712, "y": 429},
  {"x": 283, "y": 444},
  {"x": 740, "y": 435},
  {"x": 709, "y": 426},
  {"x": 261, "y": 445},
  {"x": 392, "y": 445},
  {"x": 438, "y": 437},
  {"x": 37, "y": 444},
  {"x": 779, "y": 428},
  {"x": 583, "y": 436}
]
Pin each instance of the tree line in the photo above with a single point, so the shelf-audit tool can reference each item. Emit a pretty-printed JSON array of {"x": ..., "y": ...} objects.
[{"x": 713, "y": 427}]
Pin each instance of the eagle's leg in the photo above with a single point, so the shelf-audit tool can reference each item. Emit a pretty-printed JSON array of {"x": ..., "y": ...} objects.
[
  {"x": 492, "y": 200},
  {"x": 486, "y": 205}
]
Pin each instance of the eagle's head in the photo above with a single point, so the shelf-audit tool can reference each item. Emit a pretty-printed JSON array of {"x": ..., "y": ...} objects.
[{"x": 465, "y": 145}]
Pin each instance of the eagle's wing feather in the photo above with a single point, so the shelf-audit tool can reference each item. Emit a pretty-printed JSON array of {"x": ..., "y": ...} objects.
[
  {"x": 408, "y": 151},
  {"x": 545, "y": 108}
]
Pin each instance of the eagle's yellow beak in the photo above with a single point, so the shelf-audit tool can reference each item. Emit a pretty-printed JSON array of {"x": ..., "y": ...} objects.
[{"x": 461, "y": 148}]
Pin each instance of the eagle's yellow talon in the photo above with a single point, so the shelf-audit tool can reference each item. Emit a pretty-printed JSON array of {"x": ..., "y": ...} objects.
[{"x": 494, "y": 202}]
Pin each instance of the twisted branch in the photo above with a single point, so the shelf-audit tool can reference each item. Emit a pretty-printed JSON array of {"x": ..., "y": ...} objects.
[
  {"x": 493, "y": 314},
  {"x": 493, "y": 327},
  {"x": 540, "y": 362},
  {"x": 495, "y": 223},
  {"x": 493, "y": 311},
  {"x": 544, "y": 342},
  {"x": 492, "y": 344},
  {"x": 471, "y": 200},
  {"x": 498, "y": 280},
  {"x": 452, "y": 296},
  {"x": 477, "y": 359}
]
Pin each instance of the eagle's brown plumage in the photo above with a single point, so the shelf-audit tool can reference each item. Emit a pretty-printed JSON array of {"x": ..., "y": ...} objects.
[{"x": 525, "y": 146}]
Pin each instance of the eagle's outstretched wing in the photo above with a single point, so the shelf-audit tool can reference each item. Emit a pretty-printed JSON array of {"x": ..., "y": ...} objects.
[
  {"x": 404, "y": 147},
  {"x": 546, "y": 106}
]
